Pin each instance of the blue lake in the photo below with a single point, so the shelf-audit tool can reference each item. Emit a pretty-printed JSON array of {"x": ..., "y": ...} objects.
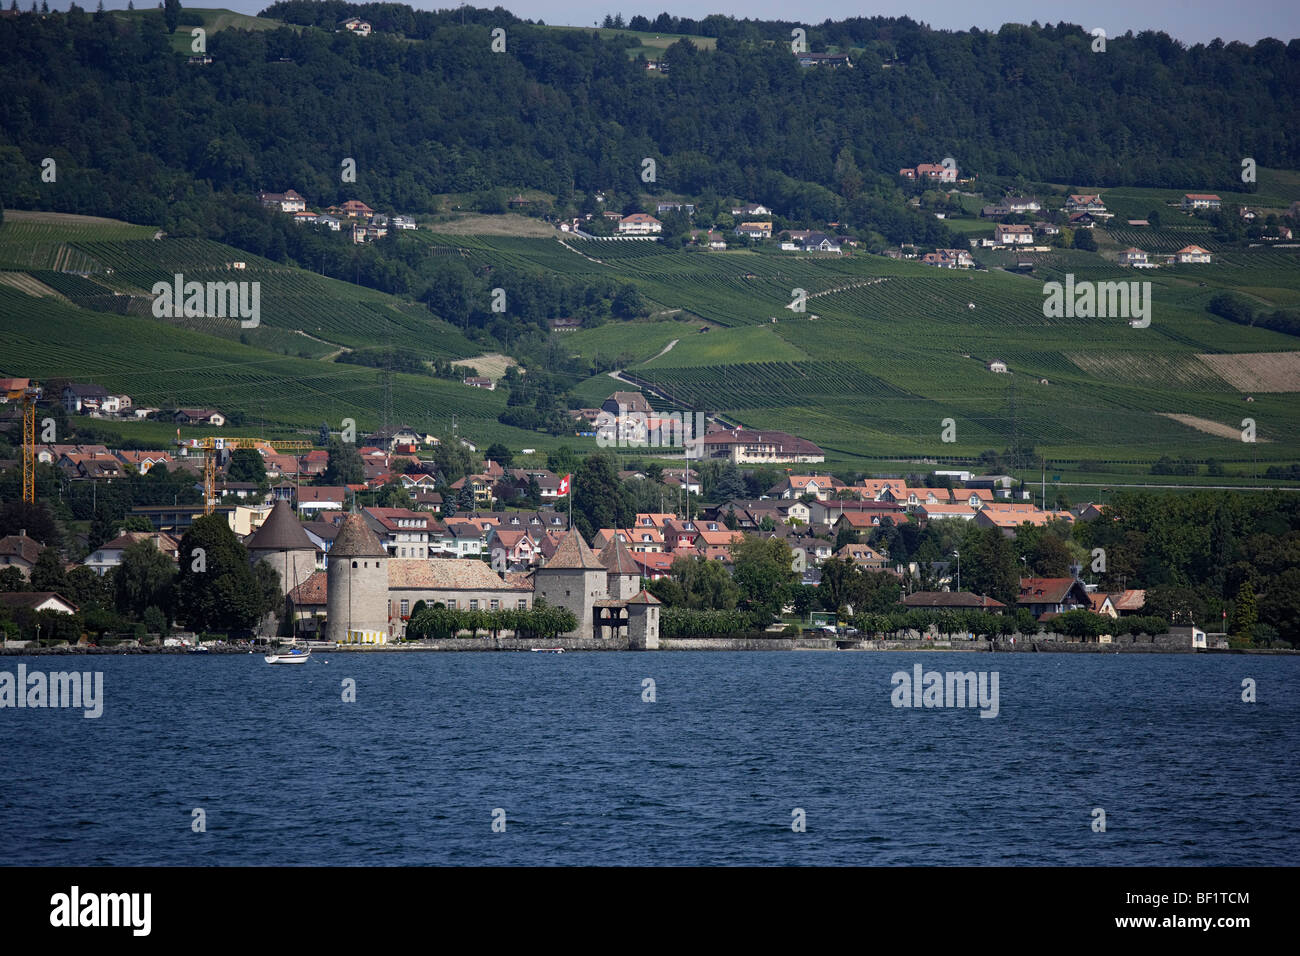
[{"x": 287, "y": 773}]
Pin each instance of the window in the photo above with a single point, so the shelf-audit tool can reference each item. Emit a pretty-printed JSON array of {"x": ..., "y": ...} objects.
[
  {"x": 494, "y": 605},
  {"x": 451, "y": 604},
  {"x": 406, "y": 607},
  {"x": 354, "y": 564},
  {"x": 523, "y": 604},
  {"x": 473, "y": 604}
]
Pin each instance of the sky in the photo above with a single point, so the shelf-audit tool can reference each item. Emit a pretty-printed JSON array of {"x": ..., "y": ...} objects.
[{"x": 1192, "y": 21}]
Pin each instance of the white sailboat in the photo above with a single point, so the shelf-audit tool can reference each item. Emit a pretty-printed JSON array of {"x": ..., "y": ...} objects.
[{"x": 294, "y": 656}]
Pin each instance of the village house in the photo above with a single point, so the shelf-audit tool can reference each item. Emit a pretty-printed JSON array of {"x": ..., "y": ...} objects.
[
  {"x": 37, "y": 601},
  {"x": 83, "y": 399},
  {"x": 1192, "y": 254},
  {"x": 199, "y": 416},
  {"x": 142, "y": 461},
  {"x": 403, "y": 533},
  {"x": 481, "y": 381},
  {"x": 863, "y": 556},
  {"x": 1013, "y": 235},
  {"x": 963, "y": 600},
  {"x": 313, "y": 499},
  {"x": 751, "y": 209},
  {"x": 109, "y": 554},
  {"x": 331, "y": 222},
  {"x": 287, "y": 201},
  {"x": 821, "y": 487},
  {"x": 745, "y": 446},
  {"x": 639, "y": 224},
  {"x": 666, "y": 207},
  {"x": 19, "y": 551},
  {"x": 1193, "y": 201},
  {"x": 1134, "y": 257},
  {"x": 1052, "y": 596},
  {"x": 948, "y": 259},
  {"x": 1089, "y": 203},
  {"x": 755, "y": 230}
]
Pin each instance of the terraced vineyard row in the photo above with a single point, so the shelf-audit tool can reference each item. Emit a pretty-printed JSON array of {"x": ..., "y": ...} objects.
[
  {"x": 770, "y": 384},
  {"x": 1164, "y": 240}
]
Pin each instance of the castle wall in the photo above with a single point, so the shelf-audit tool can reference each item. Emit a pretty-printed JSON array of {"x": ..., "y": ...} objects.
[{"x": 294, "y": 567}]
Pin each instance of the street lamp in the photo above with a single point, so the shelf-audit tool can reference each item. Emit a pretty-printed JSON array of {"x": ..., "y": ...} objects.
[{"x": 957, "y": 555}]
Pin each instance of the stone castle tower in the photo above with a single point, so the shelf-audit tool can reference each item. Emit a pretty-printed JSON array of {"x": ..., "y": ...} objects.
[
  {"x": 573, "y": 578},
  {"x": 624, "y": 575},
  {"x": 283, "y": 544},
  {"x": 357, "y": 576}
]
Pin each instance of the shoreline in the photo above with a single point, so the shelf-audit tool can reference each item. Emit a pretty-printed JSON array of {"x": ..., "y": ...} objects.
[{"x": 674, "y": 645}]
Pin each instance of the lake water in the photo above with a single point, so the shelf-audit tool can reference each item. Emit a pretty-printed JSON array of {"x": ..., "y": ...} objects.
[{"x": 587, "y": 772}]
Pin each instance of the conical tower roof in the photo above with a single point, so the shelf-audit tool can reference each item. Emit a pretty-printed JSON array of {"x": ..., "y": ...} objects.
[
  {"x": 356, "y": 540},
  {"x": 617, "y": 559},
  {"x": 572, "y": 553},
  {"x": 281, "y": 531}
]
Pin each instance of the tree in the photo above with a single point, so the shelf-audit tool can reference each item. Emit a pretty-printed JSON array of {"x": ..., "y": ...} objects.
[
  {"x": 345, "y": 465},
  {"x": 706, "y": 585},
  {"x": 216, "y": 589},
  {"x": 172, "y": 14},
  {"x": 500, "y": 454},
  {"x": 599, "y": 498},
  {"x": 35, "y": 519},
  {"x": 764, "y": 572},
  {"x": 730, "y": 484},
  {"x": 1083, "y": 239},
  {"x": 989, "y": 565},
  {"x": 48, "y": 574},
  {"x": 246, "y": 464},
  {"x": 1246, "y": 613},
  {"x": 143, "y": 580}
]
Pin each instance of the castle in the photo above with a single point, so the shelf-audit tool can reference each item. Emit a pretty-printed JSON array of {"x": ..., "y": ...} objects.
[{"x": 366, "y": 595}]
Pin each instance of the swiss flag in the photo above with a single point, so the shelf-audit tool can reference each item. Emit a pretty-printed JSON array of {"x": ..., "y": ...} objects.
[{"x": 564, "y": 485}]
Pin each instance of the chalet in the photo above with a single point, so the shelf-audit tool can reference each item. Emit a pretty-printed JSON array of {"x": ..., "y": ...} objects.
[
  {"x": 1052, "y": 595},
  {"x": 930, "y": 171},
  {"x": 307, "y": 217},
  {"x": 1047, "y": 228},
  {"x": 1085, "y": 203},
  {"x": 755, "y": 230},
  {"x": 402, "y": 222},
  {"x": 825, "y": 59},
  {"x": 1192, "y": 201},
  {"x": 199, "y": 416},
  {"x": 1134, "y": 257},
  {"x": 1082, "y": 220},
  {"x": 330, "y": 222},
  {"x": 480, "y": 381},
  {"x": 1192, "y": 254},
  {"x": 287, "y": 201},
  {"x": 356, "y": 26},
  {"x": 1013, "y": 235},
  {"x": 640, "y": 224},
  {"x": 744, "y": 446}
]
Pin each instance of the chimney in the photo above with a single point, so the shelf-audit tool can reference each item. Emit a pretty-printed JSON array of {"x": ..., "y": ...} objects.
[{"x": 22, "y": 533}]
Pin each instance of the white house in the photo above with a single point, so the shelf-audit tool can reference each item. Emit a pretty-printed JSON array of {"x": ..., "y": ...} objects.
[
  {"x": 1134, "y": 257},
  {"x": 640, "y": 224},
  {"x": 1201, "y": 201},
  {"x": 1192, "y": 254},
  {"x": 1013, "y": 235}
]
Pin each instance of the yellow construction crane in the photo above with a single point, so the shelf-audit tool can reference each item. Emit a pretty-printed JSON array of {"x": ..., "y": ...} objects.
[
  {"x": 212, "y": 444},
  {"x": 30, "y": 394}
]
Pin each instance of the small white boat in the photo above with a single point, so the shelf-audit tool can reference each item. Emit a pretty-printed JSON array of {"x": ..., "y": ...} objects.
[
  {"x": 547, "y": 650},
  {"x": 293, "y": 657}
]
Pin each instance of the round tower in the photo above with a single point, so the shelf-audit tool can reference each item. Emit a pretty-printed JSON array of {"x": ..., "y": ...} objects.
[
  {"x": 357, "y": 576},
  {"x": 282, "y": 543}
]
